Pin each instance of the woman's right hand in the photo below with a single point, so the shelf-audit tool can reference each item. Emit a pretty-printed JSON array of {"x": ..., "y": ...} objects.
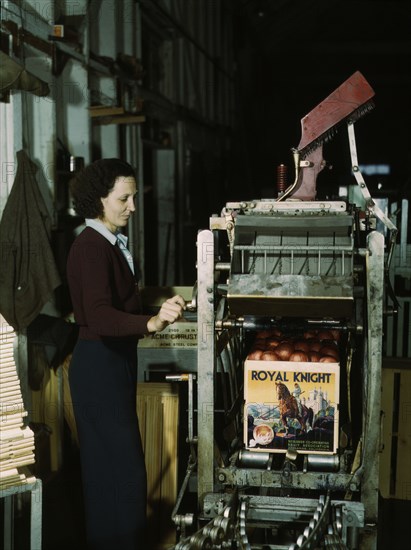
[{"x": 171, "y": 311}]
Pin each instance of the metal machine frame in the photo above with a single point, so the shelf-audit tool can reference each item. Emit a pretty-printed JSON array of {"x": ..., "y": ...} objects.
[{"x": 282, "y": 498}]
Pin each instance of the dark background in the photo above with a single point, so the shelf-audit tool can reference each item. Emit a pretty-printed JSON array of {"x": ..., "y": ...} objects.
[{"x": 291, "y": 55}]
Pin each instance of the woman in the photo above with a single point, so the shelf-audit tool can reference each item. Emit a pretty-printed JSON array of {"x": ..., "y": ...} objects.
[{"x": 103, "y": 369}]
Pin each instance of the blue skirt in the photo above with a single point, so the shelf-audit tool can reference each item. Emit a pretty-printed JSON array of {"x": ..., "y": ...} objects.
[{"x": 103, "y": 384}]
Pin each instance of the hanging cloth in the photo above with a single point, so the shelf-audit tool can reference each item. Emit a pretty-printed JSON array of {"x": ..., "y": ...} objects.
[
  {"x": 28, "y": 272},
  {"x": 14, "y": 76}
]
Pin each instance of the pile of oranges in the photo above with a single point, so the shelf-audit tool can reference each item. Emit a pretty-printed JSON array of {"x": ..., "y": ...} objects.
[{"x": 314, "y": 346}]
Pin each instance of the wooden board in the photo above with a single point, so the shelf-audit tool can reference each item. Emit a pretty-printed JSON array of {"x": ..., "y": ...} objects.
[{"x": 395, "y": 459}]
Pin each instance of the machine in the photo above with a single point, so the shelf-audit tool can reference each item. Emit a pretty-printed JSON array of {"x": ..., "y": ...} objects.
[{"x": 308, "y": 277}]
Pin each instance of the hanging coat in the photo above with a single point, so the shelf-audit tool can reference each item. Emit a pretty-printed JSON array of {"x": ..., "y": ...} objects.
[
  {"x": 14, "y": 76},
  {"x": 28, "y": 271}
]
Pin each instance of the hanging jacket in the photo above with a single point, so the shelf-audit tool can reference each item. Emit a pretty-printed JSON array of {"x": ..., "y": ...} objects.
[{"x": 28, "y": 271}]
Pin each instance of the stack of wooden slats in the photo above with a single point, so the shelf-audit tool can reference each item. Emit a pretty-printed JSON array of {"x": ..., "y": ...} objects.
[{"x": 16, "y": 440}]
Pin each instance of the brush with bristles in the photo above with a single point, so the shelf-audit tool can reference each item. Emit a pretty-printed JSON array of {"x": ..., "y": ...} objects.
[{"x": 348, "y": 103}]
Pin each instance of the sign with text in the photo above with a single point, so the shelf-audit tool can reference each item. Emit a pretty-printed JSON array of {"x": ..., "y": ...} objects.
[
  {"x": 291, "y": 406},
  {"x": 177, "y": 335}
]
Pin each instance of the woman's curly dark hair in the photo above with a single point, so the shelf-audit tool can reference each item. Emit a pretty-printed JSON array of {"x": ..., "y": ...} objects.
[{"x": 95, "y": 182}]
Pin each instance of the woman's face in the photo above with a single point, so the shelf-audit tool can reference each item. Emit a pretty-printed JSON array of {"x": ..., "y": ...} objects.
[{"x": 119, "y": 203}]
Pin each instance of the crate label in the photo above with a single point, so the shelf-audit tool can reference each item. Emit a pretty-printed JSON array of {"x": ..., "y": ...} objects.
[
  {"x": 291, "y": 406},
  {"x": 178, "y": 335}
]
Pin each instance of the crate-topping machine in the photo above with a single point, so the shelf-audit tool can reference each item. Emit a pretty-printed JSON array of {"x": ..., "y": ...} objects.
[{"x": 284, "y": 412}]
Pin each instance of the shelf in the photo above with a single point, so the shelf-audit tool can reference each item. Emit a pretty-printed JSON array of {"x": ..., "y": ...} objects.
[
  {"x": 103, "y": 115},
  {"x": 35, "y": 487}
]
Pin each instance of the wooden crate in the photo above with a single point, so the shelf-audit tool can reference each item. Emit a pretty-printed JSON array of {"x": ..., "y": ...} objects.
[
  {"x": 46, "y": 408},
  {"x": 395, "y": 459},
  {"x": 158, "y": 411},
  {"x": 67, "y": 403},
  {"x": 397, "y": 329}
]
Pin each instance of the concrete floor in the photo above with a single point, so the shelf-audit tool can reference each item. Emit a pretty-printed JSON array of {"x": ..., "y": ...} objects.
[{"x": 63, "y": 515}]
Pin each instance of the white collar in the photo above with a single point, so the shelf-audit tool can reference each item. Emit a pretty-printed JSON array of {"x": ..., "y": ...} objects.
[{"x": 102, "y": 229}]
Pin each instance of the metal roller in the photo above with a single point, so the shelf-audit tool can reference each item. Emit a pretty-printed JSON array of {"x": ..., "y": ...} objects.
[{"x": 251, "y": 459}]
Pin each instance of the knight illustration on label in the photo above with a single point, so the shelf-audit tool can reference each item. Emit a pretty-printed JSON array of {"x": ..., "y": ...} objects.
[{"x": 291, "y": 407}]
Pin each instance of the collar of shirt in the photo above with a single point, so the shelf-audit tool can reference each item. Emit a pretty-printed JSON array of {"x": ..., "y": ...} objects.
[
  {"x": 122, "y": 238},
  {"x": 102, "y": 229},
  {"x": 113, "y": 238}
]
